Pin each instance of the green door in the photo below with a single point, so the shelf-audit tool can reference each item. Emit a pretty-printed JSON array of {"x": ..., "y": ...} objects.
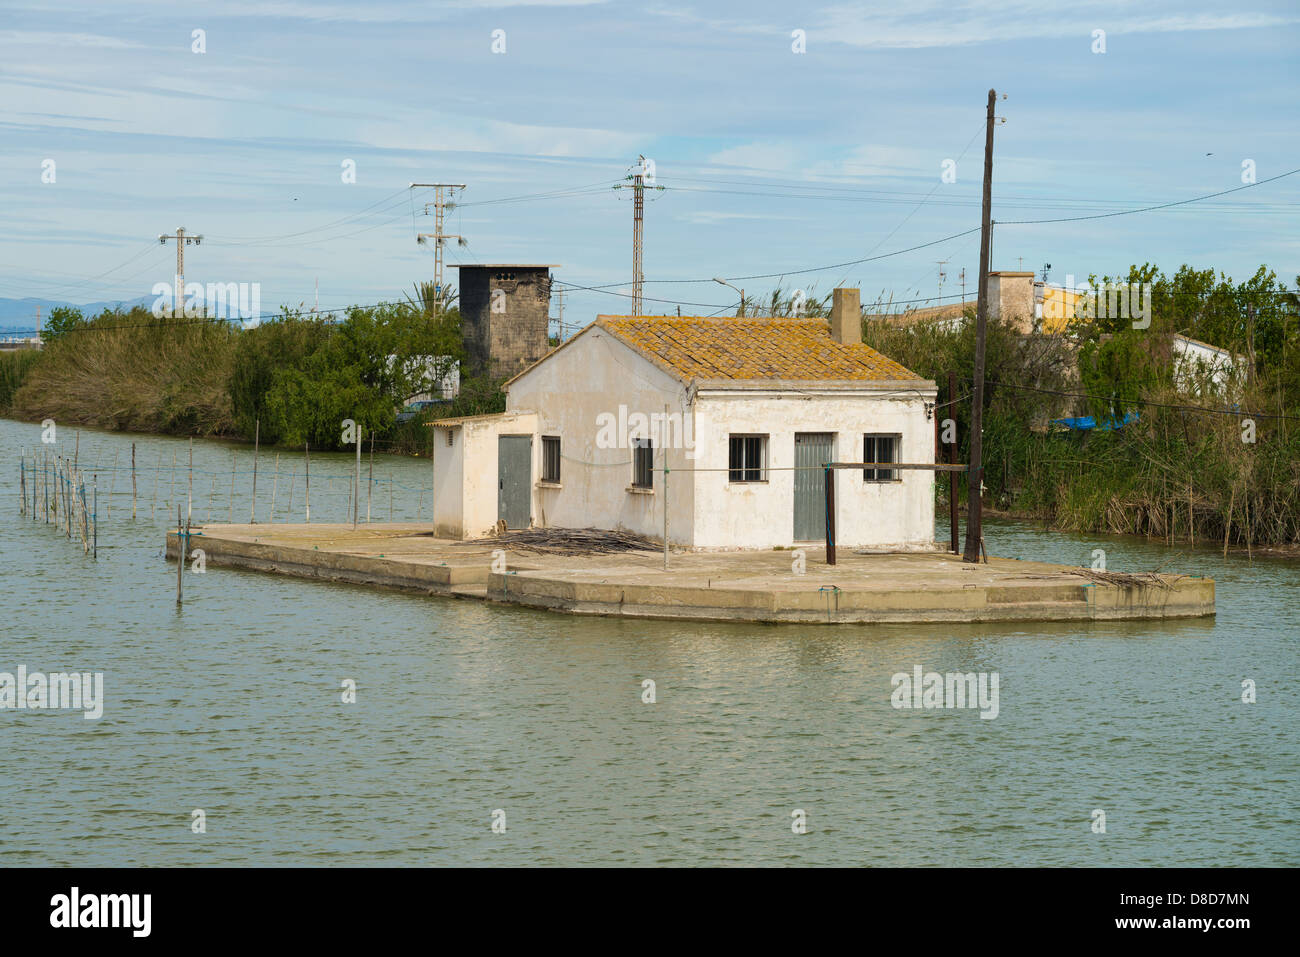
[
  {"x": 812, "y": 450},
  {"x": 515, "y": 479}
]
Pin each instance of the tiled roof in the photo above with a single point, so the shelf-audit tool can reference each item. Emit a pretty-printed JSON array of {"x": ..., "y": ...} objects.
[{"x": 751, "y": 348}]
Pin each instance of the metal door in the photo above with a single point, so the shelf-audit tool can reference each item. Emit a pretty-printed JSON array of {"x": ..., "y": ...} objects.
[
  {"x": 811, "y": 451},
  {"x": 514, "y": 479}
]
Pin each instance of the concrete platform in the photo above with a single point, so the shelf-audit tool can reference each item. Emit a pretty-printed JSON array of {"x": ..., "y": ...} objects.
[{"x": 719, "y": 586}]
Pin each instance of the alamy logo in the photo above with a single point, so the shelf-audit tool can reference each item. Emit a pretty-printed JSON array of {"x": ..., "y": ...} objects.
[
  {"x": 57, "y": 691},
  {"x": 216, "y": 300},
  {"x": 954, "y": 690},
  {"x": 102, "y": 910},
  {"x": 666, "y": 430}
]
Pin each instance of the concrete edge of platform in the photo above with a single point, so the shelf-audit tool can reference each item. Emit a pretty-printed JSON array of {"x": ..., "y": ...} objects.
[{"x": 1052, "y": 601}]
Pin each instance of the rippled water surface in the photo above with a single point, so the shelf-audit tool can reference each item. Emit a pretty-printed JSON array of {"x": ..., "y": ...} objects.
[{"x": 233, "y": 705}]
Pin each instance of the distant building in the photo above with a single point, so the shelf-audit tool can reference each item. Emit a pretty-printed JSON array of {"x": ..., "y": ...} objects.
[
  {"x": 1204, "y": 370},
  {"x": 743, "y": 411},
  {"x": 505, "y": 310}
]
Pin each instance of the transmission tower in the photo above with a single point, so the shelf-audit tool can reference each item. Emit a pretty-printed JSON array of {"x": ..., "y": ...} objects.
[
  {"x": 181, "y": 240},
  {"x": 441, "y": 203}
]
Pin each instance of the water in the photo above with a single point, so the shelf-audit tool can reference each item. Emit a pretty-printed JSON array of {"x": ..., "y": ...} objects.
[{"x": 233, "y": 705}]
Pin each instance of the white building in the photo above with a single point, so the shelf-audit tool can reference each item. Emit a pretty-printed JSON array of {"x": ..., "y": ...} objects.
[
  {"x": 1205, "y": 370},
  {"x": 743, "y": 413}
]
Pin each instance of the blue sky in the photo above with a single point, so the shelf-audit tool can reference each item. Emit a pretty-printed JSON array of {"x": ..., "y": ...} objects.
[{"x": 771, "y": 160}]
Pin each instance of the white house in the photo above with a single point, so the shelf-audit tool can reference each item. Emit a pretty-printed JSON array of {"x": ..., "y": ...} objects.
[
  {"x": 742, "y": 412},
  {"x": 1203, "y": 369}
]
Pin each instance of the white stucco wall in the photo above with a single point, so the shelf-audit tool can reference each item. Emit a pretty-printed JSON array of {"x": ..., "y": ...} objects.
[
  {"x": 590, "y": 377},
  {"x": 896, "y": 514}
]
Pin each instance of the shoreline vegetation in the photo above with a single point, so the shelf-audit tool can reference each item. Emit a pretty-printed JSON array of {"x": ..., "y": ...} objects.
[{"x": 1199, "y": 460}]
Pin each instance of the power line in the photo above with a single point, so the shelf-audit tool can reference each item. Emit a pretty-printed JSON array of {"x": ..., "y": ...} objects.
[
  {"x": 1147, "y": 209},
  {"x": 1239, "y": 413}
]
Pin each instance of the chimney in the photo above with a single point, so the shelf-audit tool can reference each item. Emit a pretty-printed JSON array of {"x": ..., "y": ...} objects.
[
  {"x": 1011, "y": 297},
  {"x": 846, "y": 315}
]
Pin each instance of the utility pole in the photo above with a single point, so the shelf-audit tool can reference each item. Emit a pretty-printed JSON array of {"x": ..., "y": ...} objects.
[
  {"x": 559, "y": 307},
  {"x": 942, "y": 276},
  {"x": 638, "y": 186},
  {"x": 181, "y": 240},
  {"x": 441, "y": 203},
  {"x": 975, "y": 474}
]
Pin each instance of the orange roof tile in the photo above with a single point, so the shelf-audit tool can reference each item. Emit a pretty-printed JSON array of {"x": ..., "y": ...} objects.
[{"x": 729, "y": 347}]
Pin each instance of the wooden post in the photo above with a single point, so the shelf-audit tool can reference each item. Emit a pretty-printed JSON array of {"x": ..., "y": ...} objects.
[
  {"x": 230, "y": 517},
  {"x": 157, "y": 473},
  {"x": 830, "y": 515},
  {"x": 390, "y": 493},
  {"x": 132, "y": 482},
  {"x": 663, "y": 441},
  {"x": 189, "y": 506},
  {"x": 76, "y": 452},
  {"x": 172, "y": 493},
  {"x": 94, "y": 519},
  {"x": 306, "y": 451},
  {"x": 275, "y": 486},
  {"x": 356, "y": 482},
  {"x": 22, "y": 485},
  {"x": 371, "y": 483},
  {"x": 180, "y": 554},
  {"x": 85, "y": 521},
  {"x": 952, "y": 460},
  {"x": 975, "y": 477},
  {"x": 288, "y": 509},
  {"x": 257, "y": 439}
]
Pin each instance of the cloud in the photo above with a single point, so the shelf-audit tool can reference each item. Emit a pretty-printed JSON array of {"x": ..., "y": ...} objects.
[{"x": 913, "y": 26}]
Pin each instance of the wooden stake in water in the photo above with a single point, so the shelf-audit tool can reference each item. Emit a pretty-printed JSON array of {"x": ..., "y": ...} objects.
[
  {"x": 76, "y": 452},
  {"x": 356, "y": 482},
  {"x": 180, "y": 554},
  {"x": 275, "y": 485},
  {"x": 132, "y": 482},
  {"x": 94, "y": 523},
  {"x": 231, "y": 517},
  {"x": 390, "y": 498},
  {"x": 371, "y": 480},
  {"x": 257, "y": 439},
  {"x": 157, "y": 473},
  {"x": 172, "y": 493},
  {"x": 288, "y": 510},
  {"x": 189, "y": 507},
  {"x": 306, "y": 450},
  {"x": 212, "y": 495}
]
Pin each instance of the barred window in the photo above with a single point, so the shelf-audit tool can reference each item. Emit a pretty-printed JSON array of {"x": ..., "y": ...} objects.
[
  {"x": 747, "y": 458},
  {"x": 643, "y": 463},
  {"x": 551, "y": 458},
  {"x": 880, "y": 448}
]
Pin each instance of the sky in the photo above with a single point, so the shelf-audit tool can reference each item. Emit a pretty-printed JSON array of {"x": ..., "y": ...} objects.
[{"x": 790, "y": 167}]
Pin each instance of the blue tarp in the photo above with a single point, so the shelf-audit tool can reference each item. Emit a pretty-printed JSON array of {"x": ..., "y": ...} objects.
[{"x": 1087, "y": 423}]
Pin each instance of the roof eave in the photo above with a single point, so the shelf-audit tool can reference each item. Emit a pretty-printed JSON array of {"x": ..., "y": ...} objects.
[{"x": 828, "y": 385}]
